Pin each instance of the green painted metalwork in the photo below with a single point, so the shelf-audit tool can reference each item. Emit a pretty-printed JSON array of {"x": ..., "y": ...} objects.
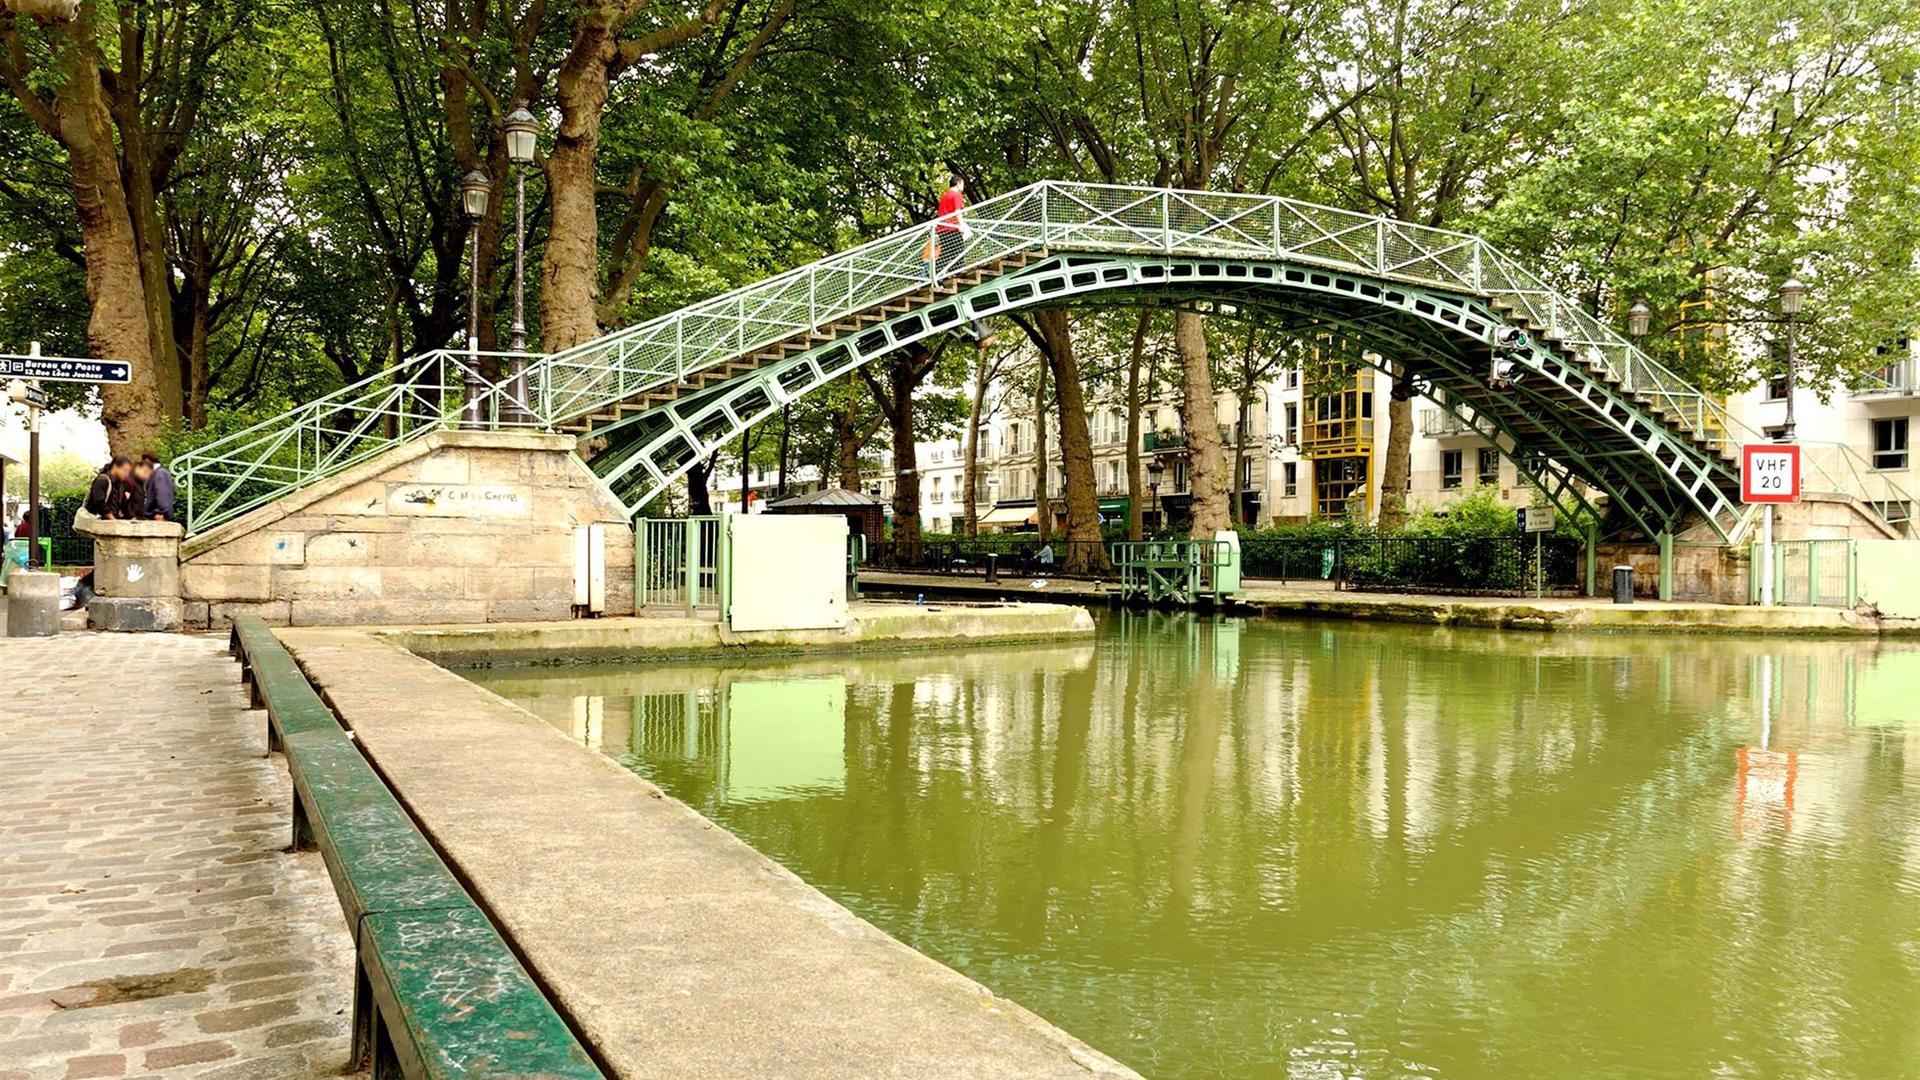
[
  {"x": 1814, "y": 573},
  {"x": 669, "y": 390},
  {"x": 1181, "y": 573},
  {"x": 1665, "y": 542},
  {"x": 451, "y": 1003}
]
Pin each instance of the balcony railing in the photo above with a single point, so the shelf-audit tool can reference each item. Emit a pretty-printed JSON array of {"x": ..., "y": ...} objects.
[
  {"x": 1160, "y": 442},
  {"x": 1892, "y": 380},
  {"x": 1440, "y": 424}
]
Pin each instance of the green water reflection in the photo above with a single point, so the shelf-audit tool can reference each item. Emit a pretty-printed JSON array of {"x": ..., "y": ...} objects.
[{"x": 1333, "y": 850}]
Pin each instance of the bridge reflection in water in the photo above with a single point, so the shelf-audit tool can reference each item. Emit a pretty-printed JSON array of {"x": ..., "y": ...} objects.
[{"x": 1263, "y": 849}]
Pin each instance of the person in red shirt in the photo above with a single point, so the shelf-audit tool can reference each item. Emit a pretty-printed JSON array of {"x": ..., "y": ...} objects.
[
  {"x": 950, "y": 231},
  {"x": 950, "y": 235}
]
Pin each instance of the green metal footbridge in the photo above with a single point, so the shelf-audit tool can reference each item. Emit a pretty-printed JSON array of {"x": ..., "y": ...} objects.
[{"x": 1577, "y": 408}]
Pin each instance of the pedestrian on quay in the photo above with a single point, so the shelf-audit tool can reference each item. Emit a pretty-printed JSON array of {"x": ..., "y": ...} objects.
[
  {"x": 107, "y": 496},
  {"x": 160, "y": 492},
  {"x": 133, "y": 491}
]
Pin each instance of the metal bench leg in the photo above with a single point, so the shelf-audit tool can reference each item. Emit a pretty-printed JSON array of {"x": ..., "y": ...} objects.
[
  {"x": 365, "y": 1017},
  {"x": 386, "y": 1063},
  {"x": 302, "y": 828},
  {"x": 273, "y": 738}
]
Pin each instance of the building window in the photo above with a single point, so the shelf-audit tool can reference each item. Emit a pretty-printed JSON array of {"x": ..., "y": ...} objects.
[
  {"x": 1451, "y": 468},
  {"x": 1290, "y": 434},
  {"x": 1777, "y": 389},
  {"x": 1489, "y": 467},
  {"x": 1290, "y": 477},
  {"x": 1890, "y": 443}
]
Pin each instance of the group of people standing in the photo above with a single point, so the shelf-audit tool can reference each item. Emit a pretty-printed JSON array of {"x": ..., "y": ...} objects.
[{"x": 130, "y": 489}]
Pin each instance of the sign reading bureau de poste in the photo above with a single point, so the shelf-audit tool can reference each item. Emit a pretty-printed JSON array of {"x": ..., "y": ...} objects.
[
  {"x": 65, "y": 369},
  {"x": 460, "y": 500}
]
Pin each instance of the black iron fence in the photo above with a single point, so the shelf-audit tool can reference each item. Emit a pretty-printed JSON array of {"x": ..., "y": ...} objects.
[
  {"x": 1017, "y": 555},
  {"x": 1489, "y": 565}
]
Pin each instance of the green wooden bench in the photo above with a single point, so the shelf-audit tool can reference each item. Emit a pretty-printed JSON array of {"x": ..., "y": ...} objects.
[
  {"x": 277, "y": 685},
  {"x": 438, "y": 994}
]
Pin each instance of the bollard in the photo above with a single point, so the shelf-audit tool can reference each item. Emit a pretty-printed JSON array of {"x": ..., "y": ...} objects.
[
  {"x": 993, "y": 567},
  {"x": 1623, "y": 584},
  {"x": 33, "y": 604}
]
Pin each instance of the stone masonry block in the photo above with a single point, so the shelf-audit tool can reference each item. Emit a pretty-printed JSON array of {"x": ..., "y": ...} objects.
[
  {"x": 122, "y": 573},
  {"x": 326, "y": 583},
  {"x": 193, "y": 614},
  {"x": 134, "y": 614},
  {"x": 340, "y": 549},
  {"x": 387, "y": 612},
  {"x": 441, "y": 467},
  {"x": 547, "y": 608},
  {"x": 426, "y": 582},
  {"x": 215, "y": 582},
  {"x": 278, "y": 547},
  {"x": 272, "y": 612},
  {"x": 442, "y": 549},
  {"x": 496, "y": 467},
  {"x": 367, "y": 499},
  {"x": 498, "y": 583}
]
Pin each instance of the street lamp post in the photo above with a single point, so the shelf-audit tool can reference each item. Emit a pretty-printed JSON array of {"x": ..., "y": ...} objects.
[
  {"x": 1793, "y": 296},
  {"x": 1155, "y": 469},
  {"x": 523, "y": 136},
  {"x": 474, "y": 189}
]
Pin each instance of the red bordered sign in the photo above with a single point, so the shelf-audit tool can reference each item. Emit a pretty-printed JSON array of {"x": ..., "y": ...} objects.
[{"x": 1770, "y": 473}]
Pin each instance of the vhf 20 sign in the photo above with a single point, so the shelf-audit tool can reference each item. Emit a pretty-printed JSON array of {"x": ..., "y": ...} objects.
[{"x": 1770, "y": 473}]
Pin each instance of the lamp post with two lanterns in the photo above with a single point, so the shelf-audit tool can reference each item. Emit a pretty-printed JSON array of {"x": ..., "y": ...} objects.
[{"x": 522, "y": 134}]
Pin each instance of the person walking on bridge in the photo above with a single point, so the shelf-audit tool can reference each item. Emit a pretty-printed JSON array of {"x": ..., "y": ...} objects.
[
  {"x": 951, "y": 234},
  {"x": 950, "y": 230}
]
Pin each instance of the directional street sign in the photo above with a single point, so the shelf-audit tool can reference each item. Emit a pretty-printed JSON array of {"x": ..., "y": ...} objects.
[
  {"x": 64, "y": 369},
  {"x": 1770, "y": 473}
]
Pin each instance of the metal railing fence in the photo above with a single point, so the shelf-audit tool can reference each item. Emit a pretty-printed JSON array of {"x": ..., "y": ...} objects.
[
  {"x": 1484, "y": 566},
  {"x": 1497, "y": 565},
  {"x": 679, "y": 563},
  {"x": 231, "y": 475},
  {"x": 1812, "y": 573}
]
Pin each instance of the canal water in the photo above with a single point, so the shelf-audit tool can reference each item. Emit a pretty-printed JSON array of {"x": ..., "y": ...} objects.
[{"x": 1229, "y": 849}]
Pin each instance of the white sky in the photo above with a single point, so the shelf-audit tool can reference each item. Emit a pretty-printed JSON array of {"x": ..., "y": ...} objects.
[{"x": 66, "y": 431}]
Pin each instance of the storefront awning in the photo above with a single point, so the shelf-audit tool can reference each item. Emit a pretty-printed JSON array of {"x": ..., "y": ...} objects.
[
  {"x": 1008, "y": 515},
  {"x": 1113, "y": 506}
]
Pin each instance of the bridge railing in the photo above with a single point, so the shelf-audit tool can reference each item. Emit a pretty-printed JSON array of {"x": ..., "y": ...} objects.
[
  {"x": 673, "y": 346},
  {"x": 231, "y": 475},
  {"x": 1093, "y": 217}
]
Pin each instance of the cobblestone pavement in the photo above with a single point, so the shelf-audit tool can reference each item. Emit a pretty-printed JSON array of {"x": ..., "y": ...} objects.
[{"x": 151, "y": 921}]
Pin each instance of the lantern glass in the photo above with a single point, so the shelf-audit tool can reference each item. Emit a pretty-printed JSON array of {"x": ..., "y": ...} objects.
[
  {"x": 1639, "y": 317},
  {"x": 473, "y": 194},
  {"x": 1793, "y": 295},
  {"x": 523, "y": 135}
]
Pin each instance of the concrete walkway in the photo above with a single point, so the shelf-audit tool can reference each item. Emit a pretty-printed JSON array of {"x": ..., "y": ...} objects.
[
  {"x": 677, "y": 950},
  {"x": 150, "y": 922}
]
